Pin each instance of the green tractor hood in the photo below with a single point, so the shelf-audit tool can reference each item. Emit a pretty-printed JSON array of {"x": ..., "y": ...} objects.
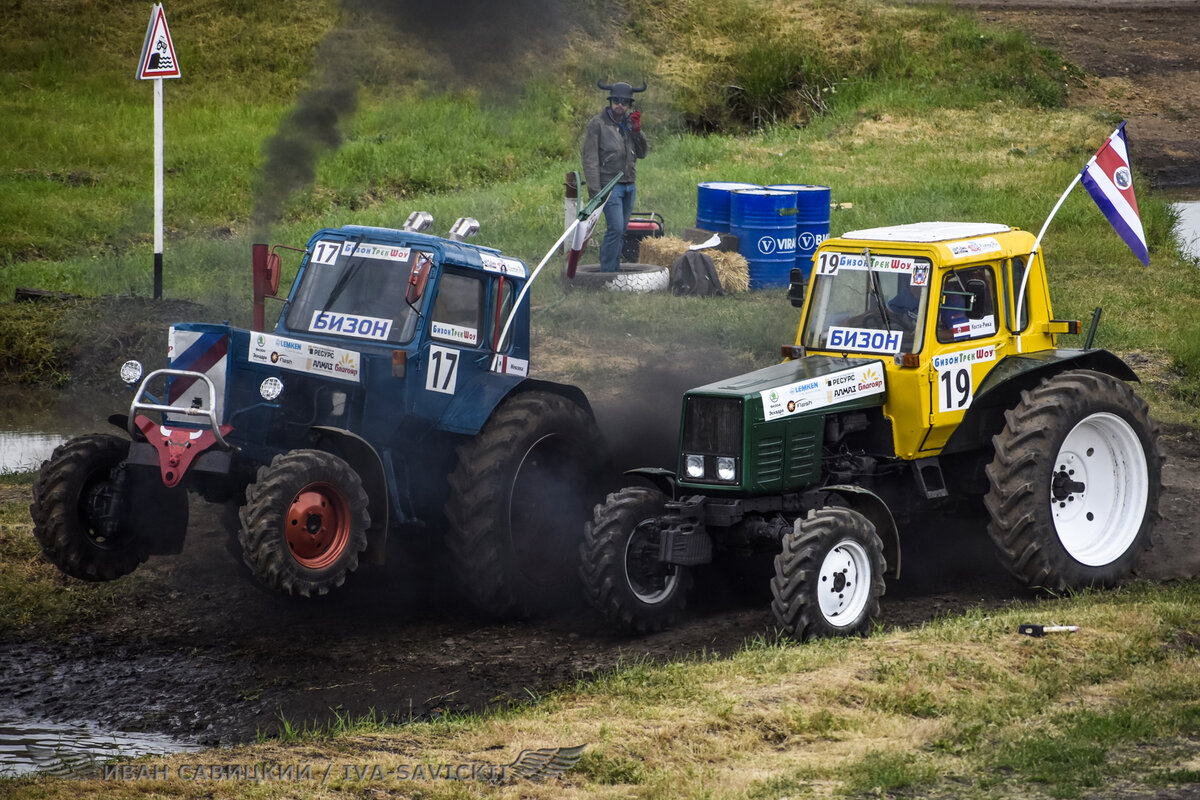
[{"x": 762, "y": 432}]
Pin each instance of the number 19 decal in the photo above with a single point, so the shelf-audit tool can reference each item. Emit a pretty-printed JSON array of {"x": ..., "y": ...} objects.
[
  {"x": 442, "y": 374},
  {"x": 954, "y": 388}
]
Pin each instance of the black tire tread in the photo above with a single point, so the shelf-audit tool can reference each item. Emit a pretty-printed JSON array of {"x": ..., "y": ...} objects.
[
  {"x": 55, "y": 510},
  {"x": 1020, "y": 525},
  {"x": 476, "y": 510},
  {"x": 794, "y": 602},
  {"x": 264, "y": 547},
  {"x": 602, "y": 569}
]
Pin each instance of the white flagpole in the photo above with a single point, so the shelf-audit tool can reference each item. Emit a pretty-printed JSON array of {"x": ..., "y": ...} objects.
[
  {"x": 585, "y": 212},
  {"x": 1037, "y": 243}
]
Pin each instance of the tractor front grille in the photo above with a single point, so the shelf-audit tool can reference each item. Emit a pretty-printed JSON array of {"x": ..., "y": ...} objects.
[{"x": 712, "y": 425}]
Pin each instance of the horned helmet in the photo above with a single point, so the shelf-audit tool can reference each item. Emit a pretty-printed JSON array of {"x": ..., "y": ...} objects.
[{"x": 621, "y": 91}]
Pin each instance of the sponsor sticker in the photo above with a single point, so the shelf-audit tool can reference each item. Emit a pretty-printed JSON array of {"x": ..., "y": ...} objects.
[
  {"x": 300, "y": 356},
  {"x": 813, "y": 393},
  {"x": 974, "y": 247},
  {"x": 510, "y": 366},
  {"x": 867, "y": 340},
  {"x": 454, "y": 333},
  {"x": 829, "y": 263},
  {"x": 350, "y": 325},
  {"x": 383, "y": 252},
  {"x": 955, "y": 384},
  {"x": 974, "y": 355},
  {"x": 504, "y": 266}
]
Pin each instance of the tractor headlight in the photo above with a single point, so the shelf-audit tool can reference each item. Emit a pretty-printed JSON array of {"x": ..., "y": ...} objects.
[
  {"x": 693, "y": 466},
  {"x": 131, "y": 372},
  {"x": 726, "y": 469},
  {"x": 270, "y": 389}
]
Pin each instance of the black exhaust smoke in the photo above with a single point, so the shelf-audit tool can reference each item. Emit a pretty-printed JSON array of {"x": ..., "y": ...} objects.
[{"x": 481, "y": 42}]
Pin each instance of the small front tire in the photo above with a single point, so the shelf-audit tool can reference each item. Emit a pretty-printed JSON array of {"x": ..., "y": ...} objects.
[
  {"x": 304, "y": 523},
  {"x": 623, "y": 578},
  {"x": 94, "y": 519},
  {"x": 828, "y": 576}
]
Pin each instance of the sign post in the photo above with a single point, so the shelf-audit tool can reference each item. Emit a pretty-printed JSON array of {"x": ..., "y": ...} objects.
[{"x": 157, "y": 62}]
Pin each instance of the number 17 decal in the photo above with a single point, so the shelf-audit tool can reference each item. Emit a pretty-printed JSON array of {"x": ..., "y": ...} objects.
[{"x": 442, "y": 374}]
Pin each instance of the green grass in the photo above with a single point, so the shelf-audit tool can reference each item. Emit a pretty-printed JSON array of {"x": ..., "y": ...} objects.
[{"x": 999, "y": 716}]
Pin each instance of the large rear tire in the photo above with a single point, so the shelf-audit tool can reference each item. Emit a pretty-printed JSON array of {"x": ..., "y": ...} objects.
[
  {"x": 623, "y": 578},
  {"x": 94, "y": 520},
  {"x": 1075, "y": 482},
  {"x": 304, "y": 523},
  {"x": 828, "y": 576},
  {"x": 519, "y": 499}
]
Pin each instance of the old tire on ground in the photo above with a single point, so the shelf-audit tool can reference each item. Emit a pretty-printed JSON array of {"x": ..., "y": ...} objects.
[
  {"x": 519, "y": 498},
  {"x": 1075, "y": 482},
  {"x": 622, "y": 576},
  {"x": 828, "y": 576},
  {"x": 635, "y": 278},
  {"x": 72, "y": 517},
  {"x": 304, "y": 523}
]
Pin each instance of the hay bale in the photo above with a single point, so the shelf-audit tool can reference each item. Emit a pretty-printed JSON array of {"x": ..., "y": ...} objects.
[
  {"x": 732, "y": 268},
  {"x": 662, "y": 250}
]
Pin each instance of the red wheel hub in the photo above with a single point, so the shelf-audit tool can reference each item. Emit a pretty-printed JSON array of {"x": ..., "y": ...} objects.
[{"x": 317, "y": 526}]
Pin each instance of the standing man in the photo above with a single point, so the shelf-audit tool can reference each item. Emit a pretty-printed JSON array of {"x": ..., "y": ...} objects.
[{"x": 613, "y": 143}]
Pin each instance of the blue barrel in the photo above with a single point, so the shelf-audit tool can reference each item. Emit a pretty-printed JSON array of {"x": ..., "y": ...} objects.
[
  {"x": 812, "y": 220},
  {"x": 712, "y": 204},
  {"x": 764, "y": 220}
]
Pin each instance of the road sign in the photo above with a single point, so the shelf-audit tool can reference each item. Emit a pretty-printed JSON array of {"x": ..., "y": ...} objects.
[{"x": 158, "y": 52}]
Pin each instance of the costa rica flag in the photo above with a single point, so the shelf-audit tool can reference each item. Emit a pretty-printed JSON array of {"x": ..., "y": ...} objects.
[{"x": 1109, "y": 181}]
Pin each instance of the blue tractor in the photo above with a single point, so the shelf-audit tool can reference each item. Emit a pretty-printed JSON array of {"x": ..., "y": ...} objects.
[{"x": 394, "y": 394}]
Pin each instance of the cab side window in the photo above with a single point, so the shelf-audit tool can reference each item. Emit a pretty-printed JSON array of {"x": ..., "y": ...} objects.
[
  {"x": 458, "y": 310},
  {"x": 505, "y": 293},
  {"x": 967, "y": 305}
]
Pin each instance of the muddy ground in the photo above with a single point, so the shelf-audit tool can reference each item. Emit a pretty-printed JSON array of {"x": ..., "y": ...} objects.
[{"x": 207, "y": 656}]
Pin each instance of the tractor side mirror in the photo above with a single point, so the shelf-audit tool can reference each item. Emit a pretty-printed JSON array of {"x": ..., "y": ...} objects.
[
  {"x": 417, "y": 279},
  {"x": 271, "y": 273}
]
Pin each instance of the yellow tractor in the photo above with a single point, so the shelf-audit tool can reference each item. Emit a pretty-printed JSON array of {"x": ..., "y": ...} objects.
[{"x": 926, "y": 369}]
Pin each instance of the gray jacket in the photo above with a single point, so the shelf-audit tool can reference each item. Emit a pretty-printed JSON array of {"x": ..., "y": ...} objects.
[{"x": 610, "y": 147}]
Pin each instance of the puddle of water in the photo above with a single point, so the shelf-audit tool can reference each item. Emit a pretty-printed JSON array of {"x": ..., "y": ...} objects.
[
  {"x": 74, "y": 750},
  {"x": 1188, "y": 228}
]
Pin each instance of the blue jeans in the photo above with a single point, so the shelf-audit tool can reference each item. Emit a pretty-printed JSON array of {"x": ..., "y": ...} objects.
[{"x": 617, "y": 211}]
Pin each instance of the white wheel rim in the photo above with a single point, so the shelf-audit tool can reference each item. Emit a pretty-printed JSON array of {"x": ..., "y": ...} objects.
[
  {"x": 1098, "y": 489},
  {"x": 844, "y": 583},
  {"x": 647, "y": 592}
]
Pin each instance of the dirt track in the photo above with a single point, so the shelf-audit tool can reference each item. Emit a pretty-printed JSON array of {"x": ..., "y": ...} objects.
[
  {"x": 210, "y": 657},
  {"x": 1142, "y": 61}
]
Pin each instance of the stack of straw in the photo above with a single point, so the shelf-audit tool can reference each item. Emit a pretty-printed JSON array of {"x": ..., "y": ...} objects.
[{"x": 732, "y": 268}]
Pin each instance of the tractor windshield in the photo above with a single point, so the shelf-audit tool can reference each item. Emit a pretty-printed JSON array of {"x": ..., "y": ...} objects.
[
  {"x": 867, "y": 303},
  {"x": 356, "y": 289}
]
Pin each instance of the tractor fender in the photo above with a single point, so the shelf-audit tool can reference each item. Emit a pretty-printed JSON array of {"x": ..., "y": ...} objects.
[
  {"x": 470, "y": 409},
  {"x": 359, "y": 454},
  {"x": 871, "y": 506},
  {"x": 1001, "y": 389},
  {"x": 659, "y": 478}
]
